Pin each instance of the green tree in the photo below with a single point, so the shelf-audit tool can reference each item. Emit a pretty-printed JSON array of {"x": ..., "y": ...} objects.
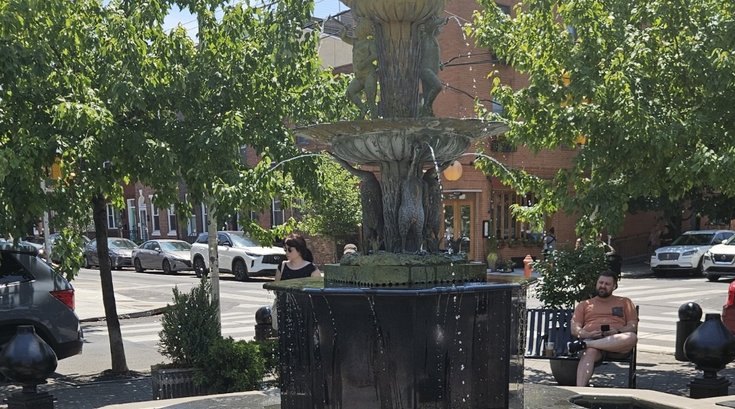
[
  {"x": 335, "y": 211},
  {"x": 116, "y": 99},
  {"x": 648, "y": 84},
  {"x": 78, "y": 85}
]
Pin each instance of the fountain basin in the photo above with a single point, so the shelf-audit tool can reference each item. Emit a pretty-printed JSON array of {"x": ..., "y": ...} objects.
[
  {"x": 386, "y": 140},
  {"x": 438, "y": 347}
]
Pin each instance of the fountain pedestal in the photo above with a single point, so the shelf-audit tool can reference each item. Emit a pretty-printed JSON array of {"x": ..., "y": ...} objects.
[{"x": 391, "y": 347}]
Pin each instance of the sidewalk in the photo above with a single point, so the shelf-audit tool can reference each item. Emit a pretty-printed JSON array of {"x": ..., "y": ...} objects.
[{"x": 657, "y": 372}]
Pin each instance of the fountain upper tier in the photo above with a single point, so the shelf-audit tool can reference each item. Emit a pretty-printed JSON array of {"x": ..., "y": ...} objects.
[{"x": 393, "y": 140}]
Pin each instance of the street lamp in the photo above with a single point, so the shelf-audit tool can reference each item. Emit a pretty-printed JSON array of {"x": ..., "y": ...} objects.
[{"x": 454, "y": 171}]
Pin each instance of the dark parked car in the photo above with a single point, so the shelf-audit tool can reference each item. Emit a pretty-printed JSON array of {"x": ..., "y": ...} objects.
[
  {"x": 120, "y": 251},
  {"x": 32, "y": 293},
  {"x": 167, "y": 255}
]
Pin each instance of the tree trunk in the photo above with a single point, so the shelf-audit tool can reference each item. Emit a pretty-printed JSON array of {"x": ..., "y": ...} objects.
[
  {"x": 117, "y": 349},
  {"x": 213, "y": 255}
]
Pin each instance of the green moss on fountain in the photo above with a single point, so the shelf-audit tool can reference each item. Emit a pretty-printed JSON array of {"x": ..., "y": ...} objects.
[{"x": 392, "y": 269}]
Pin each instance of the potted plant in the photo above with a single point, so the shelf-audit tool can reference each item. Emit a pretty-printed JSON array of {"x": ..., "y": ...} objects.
[
  {"x": 568, "y": 277},
  {"x": 202, "y": 362},
  {"x": 491, "y": 246},
  {"x": 189, "y": 327}
]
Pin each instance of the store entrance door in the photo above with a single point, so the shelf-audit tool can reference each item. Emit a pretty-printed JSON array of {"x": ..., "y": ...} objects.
[{"x": 458, "y": 222}]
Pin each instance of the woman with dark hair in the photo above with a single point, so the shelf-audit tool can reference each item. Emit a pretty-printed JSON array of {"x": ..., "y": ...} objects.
[{"x": 299, "y": 260}]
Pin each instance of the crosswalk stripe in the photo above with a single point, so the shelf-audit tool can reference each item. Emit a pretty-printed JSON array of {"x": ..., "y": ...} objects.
[{"x": 685, "y": 297}]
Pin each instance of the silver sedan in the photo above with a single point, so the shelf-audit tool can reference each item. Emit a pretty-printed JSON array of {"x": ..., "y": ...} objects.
[{"x": 167, "y": 255}]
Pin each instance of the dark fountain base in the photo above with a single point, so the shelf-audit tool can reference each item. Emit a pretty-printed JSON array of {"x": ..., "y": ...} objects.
[{"x": 447, "y": 346}]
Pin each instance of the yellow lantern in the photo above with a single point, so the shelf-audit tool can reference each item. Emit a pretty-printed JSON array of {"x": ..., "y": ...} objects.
[{"x": 454, "y": 171}]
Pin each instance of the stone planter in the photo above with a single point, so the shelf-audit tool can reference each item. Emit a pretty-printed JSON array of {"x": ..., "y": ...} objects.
[
  {"x": 168, "y": 383},
  {"x": 564, "y": 371}
]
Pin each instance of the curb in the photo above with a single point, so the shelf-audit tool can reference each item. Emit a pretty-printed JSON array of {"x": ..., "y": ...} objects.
[{"x": 138, "y": 314}]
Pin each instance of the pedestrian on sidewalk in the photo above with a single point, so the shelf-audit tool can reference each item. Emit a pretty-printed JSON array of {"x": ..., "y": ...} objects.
[{"x": 604, "y": 324}]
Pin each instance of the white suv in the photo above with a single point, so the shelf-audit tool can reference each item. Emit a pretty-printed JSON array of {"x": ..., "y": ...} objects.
[
  {"x": 685, "y": 253},
  {"x": 238, "y": 254},
  {"x": 719, "y": 260}
]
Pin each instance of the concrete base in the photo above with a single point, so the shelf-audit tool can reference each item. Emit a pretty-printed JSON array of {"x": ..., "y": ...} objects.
[
  {"x": 537, "y": 396},
  {"x": 39, "y": 400},
  {"x": 708, "y": 387},
  {"x": 240, "y": 400}
]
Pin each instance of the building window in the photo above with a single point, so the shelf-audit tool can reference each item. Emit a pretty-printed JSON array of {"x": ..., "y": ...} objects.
[
  {"x": 113, "y": 217},
  {"x": 172, "y": 225},
  {"x": 156, "y": 218},
  {"x": 276, "y": 213},
  {"x": 502, "y": 224},
  {"x": 500, "y": 144}
]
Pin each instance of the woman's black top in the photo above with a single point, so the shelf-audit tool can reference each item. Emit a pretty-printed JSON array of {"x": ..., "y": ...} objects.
[{"x": 302, "y": 272}]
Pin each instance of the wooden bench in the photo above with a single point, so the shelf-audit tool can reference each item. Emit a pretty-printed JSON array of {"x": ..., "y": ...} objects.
[{"x": 554, "y": 325}]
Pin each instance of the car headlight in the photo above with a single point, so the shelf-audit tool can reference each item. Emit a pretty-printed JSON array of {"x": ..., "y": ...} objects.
[
  {"x": 688, "y": 253},
  {"x": 708, "y": 255}
]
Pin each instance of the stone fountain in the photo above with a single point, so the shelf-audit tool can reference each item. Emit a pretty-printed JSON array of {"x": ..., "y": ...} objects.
[{"x": 401, "y": 327}]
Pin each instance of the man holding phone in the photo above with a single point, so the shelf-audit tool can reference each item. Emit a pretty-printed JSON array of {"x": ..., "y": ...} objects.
[{"x": 603, "y": 324}]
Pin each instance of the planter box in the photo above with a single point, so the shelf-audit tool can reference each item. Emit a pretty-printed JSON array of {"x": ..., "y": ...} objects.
[{"x": 170, "y": 383}]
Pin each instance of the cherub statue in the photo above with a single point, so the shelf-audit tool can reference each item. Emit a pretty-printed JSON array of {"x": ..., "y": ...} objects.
[
  {"x": 364, "y": 65},
  {"x": 429, "y": 64}
]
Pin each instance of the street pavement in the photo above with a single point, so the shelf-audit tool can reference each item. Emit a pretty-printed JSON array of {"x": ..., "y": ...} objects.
[{"x": 657, "y": 368}]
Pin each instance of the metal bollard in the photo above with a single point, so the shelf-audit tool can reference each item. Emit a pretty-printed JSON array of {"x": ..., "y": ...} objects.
[
  {"x": 263, "y": 323},
  {"x": 690, "y": 315}
]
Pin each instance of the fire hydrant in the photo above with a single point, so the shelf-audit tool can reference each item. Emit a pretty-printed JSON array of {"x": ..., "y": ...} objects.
[{"x": 527, "y": 265}]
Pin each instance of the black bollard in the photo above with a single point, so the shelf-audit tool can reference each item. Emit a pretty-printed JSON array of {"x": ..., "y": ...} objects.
[
  {"x": 29, "y": 360},
  {"x": 690, "y": 315},
  {"x": 263, "y": 324},
  {"x": 711, "y": 347}
]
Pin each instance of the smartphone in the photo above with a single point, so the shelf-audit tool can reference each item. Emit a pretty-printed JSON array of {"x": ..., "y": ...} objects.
[{"x": 605, "y": 328}]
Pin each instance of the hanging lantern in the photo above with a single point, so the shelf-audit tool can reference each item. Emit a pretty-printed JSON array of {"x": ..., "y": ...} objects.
[{"x": 454, "y": 171}]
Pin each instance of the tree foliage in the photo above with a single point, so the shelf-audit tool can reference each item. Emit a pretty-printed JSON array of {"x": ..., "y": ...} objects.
[
  {"x": 105, "y": 92},
  {"x": 649, "y": 84},
  {"x": 336, "y": 210}
]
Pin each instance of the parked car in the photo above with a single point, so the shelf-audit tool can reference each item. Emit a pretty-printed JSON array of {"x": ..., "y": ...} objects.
[
  {"x": 54, "y": 237},
  {"x": 238, "y": 254},
  {"x": 120, "y": 251},
  {"x": 687, "y": 251},
  {"x": 167, "y": 255},
  {"x": 34, "y": 294},
  {"x": 719, "y": 260}
]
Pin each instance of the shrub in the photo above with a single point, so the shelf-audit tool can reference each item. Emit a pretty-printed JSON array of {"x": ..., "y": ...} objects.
[
  {"x": 231, "y": 366},
  {"x": 569, "y": 276},
  {"x": 189, "y": 326}
]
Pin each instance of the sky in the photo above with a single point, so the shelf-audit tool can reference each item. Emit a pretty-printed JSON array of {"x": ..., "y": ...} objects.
[{"x": 322, "y": 8}]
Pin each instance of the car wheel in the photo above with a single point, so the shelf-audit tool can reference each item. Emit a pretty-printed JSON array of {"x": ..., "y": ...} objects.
[
  {"x": 167, "y": 267},
  {"x": 112, "y": 266},
  {"x": 240, "y": 271},
  {"x": 697, "y": 272},
  {"x": 86, "y": 262},
  {"x": 138, "y": 266},
  {"x": 712, "y": 277},
  {"x": 199, "y": 268}
]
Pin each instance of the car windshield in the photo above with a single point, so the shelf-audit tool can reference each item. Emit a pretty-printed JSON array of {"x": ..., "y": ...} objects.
[
  {"x": 693, "y": 239},
  {"x": 121, "y": 244},
  {"x": 175, "y": 245},
  {"x": 242, "y": 241}
]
